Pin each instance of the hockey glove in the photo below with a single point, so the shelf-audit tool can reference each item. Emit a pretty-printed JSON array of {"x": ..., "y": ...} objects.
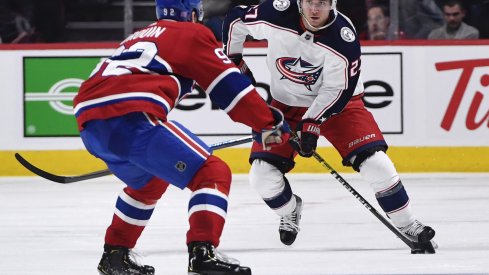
[
  {"x": 306, "y": 139},
  {"x": 243, "y": 67},
  {"x": 276, "y": 135}
]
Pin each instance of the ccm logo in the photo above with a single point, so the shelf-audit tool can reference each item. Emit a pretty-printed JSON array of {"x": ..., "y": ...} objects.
[{"x": 359, "y": 140}]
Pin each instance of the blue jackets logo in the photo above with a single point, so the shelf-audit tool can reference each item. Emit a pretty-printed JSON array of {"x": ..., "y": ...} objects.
[
  {"x": 347, "y": 34},
  {"x": 281, "y": 5},
  {"x": 298, "y": 71}
]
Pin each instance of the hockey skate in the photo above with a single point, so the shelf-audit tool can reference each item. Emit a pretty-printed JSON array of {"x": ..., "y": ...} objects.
[
  {"x": 116, "y": 260},
  {"x": 203, "y": 259},
  {"x": 422, "y": 235},
  {"x": 289, "y": 224}
]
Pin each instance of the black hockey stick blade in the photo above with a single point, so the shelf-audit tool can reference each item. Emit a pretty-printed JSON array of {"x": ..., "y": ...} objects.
[
  {"x": 56, "y": 178},
  {"x": 69, "y": 179},
  {"x": 424, "y": 248}
]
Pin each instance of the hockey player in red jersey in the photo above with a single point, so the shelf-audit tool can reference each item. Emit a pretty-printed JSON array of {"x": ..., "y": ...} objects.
[
  {"x": 314, "y": 59},
  {"x": 122, "y": 111}
]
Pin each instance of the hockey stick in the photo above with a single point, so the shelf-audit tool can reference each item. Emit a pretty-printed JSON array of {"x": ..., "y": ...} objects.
[
  {"x": 416, "y": 247},
  {"x": 69, "y": 179}
]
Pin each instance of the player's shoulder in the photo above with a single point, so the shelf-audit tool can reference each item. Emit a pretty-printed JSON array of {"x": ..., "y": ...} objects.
[
  {"x": 278, "y": 12},
  {"x": 183, "y": 27},
  {"x": 187, "y": 30},
  {"x": 277, "y": 7},
  {"x": 342, "y": 37}
]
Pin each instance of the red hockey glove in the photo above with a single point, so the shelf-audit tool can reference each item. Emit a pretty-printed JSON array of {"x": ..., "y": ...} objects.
[
  {"x": 243, "y": 67},
  {"x": 306, "y": 141},
  {"x": 276, "y": 135}
]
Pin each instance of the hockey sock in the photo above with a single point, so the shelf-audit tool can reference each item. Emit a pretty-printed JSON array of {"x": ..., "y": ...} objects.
[
  {"x": 207, "y": 208},
  {"x": 272, "y": 186},
  {"x": 132, "y": 212},
  {"x": 379, "y": 171}
]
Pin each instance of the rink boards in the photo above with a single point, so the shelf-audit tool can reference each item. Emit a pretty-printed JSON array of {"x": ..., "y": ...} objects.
[
  {"x": 406, "y": 159},
  {"x": 430, "y": 100}
]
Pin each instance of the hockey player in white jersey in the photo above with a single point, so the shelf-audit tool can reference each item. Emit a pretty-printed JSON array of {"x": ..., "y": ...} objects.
[{"x": 314, "y": 59}]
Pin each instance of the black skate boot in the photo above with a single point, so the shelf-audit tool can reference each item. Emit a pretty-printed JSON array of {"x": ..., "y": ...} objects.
[
  {"x": 203, "y": 259},
  {"x": 419, "y": 232},
  {"x": 116, "y": 261},
  {"x": 289, "y": 224},
  {"x": 422, "y": 235}
]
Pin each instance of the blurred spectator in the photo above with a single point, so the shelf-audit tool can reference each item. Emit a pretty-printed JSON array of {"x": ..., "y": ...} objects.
[
  {"x": 417, "y": 18},
  {"x": 50, "y": 20},
  {"x": 478, "y": 16},
  {"x": 356, "y": 11},
  {"x": 454, "y": 28},
  {"x": 14, "y": 28},
  {"x": 377, "y": 22},
  {"x": 45, "y": 18}
]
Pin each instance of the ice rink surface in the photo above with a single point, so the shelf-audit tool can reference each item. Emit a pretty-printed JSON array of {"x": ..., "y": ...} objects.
[{"x": 49, "y": 228}]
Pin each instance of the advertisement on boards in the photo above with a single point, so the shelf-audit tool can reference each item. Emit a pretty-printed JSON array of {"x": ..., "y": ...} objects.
[
  {"x": 466, "y": 102},
  {"x": 458, "y": 97},
  {"x": 420, "y": 96},
  {"x": 52, "y": 82}
]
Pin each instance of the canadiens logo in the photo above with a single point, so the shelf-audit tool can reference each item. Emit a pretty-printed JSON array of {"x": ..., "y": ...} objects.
[
  {"x": 298, "y": 71},
  {"x": 281, "y": 5}
]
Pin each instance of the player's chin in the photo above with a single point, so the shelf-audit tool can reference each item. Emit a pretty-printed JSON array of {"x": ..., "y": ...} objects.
[{"x": 316, "y": 23}]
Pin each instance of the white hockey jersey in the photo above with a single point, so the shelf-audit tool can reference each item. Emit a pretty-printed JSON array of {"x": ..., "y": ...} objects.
[{"x": 319, "y": 70}]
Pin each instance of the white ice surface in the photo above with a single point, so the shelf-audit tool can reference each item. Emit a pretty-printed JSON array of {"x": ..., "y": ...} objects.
[{"x": 48, "y": 228}]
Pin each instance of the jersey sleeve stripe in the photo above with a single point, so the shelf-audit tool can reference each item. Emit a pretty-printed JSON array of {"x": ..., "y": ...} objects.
[
  {"x": 165, "y": 64},
  {"x": 230, "y": 90},
  {"x": 345, "y": 60},
  {"x": 318, "y": 116},
  {"x": 235, "y": 101},
  {"x": 229, "y": 49},
  {"x": 219, "y": 78},
  {"x": 107, "y": 100},
  {"x": 178, "y": 84}
]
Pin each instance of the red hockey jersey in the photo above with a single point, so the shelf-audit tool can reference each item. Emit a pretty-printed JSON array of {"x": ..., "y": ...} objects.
[{"x": 157, "y": 66}]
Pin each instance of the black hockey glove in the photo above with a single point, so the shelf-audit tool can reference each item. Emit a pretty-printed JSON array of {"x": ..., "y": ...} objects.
[
  {"x": 243, "y": 67},
  {"x": 306, "y": 139},
  {"x": 276, "y": 135}
]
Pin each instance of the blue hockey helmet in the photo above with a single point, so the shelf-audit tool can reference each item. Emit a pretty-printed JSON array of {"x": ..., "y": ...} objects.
[{"x": 180, "y": 10}]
